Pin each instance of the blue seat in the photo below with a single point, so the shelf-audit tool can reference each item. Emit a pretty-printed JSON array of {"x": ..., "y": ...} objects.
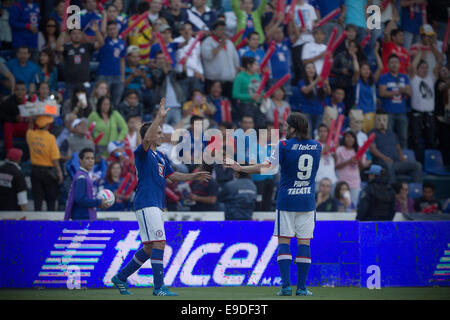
[
  {"x": 409, "y": 155},
  {"x": 434, "y": 164},
  {"x": 415, "y": 190}
]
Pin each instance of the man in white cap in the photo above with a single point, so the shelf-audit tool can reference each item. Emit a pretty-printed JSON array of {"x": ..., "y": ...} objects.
[{"x": 136, "y": 75}]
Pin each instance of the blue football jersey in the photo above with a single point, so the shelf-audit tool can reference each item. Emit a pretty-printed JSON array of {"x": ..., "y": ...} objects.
[
  {"x": 299, "y": 161},
  {"x": 152, "y": 169}
]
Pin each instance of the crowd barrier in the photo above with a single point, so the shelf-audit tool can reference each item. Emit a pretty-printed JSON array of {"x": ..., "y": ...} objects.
[{"x": 223, "y": 253}]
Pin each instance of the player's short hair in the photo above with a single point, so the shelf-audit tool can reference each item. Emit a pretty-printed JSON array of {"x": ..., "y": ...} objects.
[
  {"x": 144, "y": 129},
  {"x": 84, "y": 151},
  {"x": 299, "y": 122}
]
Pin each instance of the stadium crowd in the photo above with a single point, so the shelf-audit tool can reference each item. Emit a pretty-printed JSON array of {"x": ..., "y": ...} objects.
[{"x": 108, "y": 79}]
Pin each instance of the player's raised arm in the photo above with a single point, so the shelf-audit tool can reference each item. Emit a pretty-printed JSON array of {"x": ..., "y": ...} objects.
[{"x": 152, "y": 132}]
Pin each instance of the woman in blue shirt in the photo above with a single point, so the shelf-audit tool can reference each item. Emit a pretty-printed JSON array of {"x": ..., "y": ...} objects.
[
  {"x": 366, "y": 91},
  {"x": 311, "y": 96}
]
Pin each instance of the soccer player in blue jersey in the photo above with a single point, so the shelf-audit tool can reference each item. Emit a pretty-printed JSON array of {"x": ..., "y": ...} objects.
[
  {"x": 298, "y": 157},
  {"x": 152, "y": 169}
]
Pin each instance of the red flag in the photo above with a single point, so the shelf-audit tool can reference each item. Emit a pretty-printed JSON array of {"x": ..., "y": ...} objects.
[
  {"x": 191, "y": 48},
  {"x": 99, "y": 137},
  {"x": 263, "y": 82},
  {"x": 328, "y": 17},
  {"x": 64, "y": 19},
  {"x": 141, "y": 17},
  {"x": 237, "y": 35},
  {"x": 241, "y": 44},
  {"x": 278, "y": 84},
  {"x": 269, "y": 54},
  {"x": 361, "y": 151},
  {"x": 302, "y": 20},
  {"x": 124, "y": 183},
  {"x": 276, "y": 120},
  {"x": 163, "y": 47}
]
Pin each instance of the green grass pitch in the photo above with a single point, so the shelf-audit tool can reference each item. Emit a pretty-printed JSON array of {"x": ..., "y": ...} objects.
[{"x": 231, "y": 293}]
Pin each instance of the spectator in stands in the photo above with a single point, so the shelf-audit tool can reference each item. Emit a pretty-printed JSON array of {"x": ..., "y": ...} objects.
[
  {"x": 387, "y": 152},
  {"x": 220, "y": 58},
  {"x": 311, "y": 96},
  {"x": 216, "y": 101},
  {"x": 77, "y": 140},
  {"x": 427, "y": 203},
  {"x": 77, "y": 56},
  {"x": 324, "y": 7},
  {"x": 245, "y": 86},
  {"x": 112, "y": 182},
  {"x": 355, "y": 14},
  {"x": 133, "y": 138},
  {"x": 13, "y": 187},
  {"x": 248, "y": 19},
  {"x": 8, "y": 80},
  {"x": 350, "y": 35},
  {"x": 13, "y": 124},
  {"x": 366, "y": 91},
  {"x": 346, "y": 70},
  {"x": 422, "y": 120},
  {"x": 394, "y": 88},
  {"x": 141, "y": 36},
  {"x": 325, "y": 202},
  {"x": 155, "y": 10},
  {"x": 280, "y": 61},
  {"x": 442, "y": 116},
  {"x": 49, "y": 34},
  {"x": 196, "y": 105},
  {"x": 342, "y": 195},
  {"x": 43, "y": 92},
  {"x": 112, "y": 14},
  {"x": 377, "y": 201},
  {"x": 101, "y": 89},
  {"x": 277, "y": 102},
  {"x": 356, "y": 123},
  {"x": 239, "y": 196},
  {"x": 252, "y": 49},
  {"x": 65, "y": 134},
  {"x": 175, "y": 16},
  {"x": 24, "y": 21},
  {"x": 107, "y": 121},
  {"x": 112, "y": 62},
  {"x": 5, "y": 28},
  {"x": 336, "y": 100},
  {"x": 403, "y": 203},
  {"x": 131, "y": 106},
  {"x": 23, "y": 69},
  {"x": 90, "y": 17},
  {"x": 347, "y": 167},
  {"x": 427, "y": 47},
  {"x": 81, "y": 202},
  {"x": 166, "y": 85},
  {"x": 78, "y": 104},
  {"x": 204, "y": 193},
  {"x": 327, "y": 158},
  {"x": 195, "y": 78},
  {"x": 46, "y": 173},
  {"x": 171, "y": 46},
  {"x": 47, "y": 70},
  {"x": 314, "y": 51},
  {"x": 411, "y": 20},
  {"x": 201, "y": 16},
  {"x": 58, "y": 11},
  {"x": 393, "y": 45},
  {"x": 137, "y": 77}
]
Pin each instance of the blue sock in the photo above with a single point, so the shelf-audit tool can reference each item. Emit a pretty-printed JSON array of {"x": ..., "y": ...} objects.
[
  {"x": 133, "y": 265},
  {"x": 158, "y": 267},
  {"x": 303, "y": 261},
  {"x": 284, "y": 259}
]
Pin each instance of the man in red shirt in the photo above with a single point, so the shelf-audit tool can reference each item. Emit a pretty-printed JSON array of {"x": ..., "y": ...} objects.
[{"x": 393, "y": 44}]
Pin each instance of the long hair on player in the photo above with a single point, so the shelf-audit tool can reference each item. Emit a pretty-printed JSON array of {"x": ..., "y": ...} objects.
[{"x": 299, "y": 123}]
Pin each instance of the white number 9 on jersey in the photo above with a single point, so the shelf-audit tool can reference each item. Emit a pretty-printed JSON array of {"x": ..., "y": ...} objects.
[{"x": 305, "y": 164}]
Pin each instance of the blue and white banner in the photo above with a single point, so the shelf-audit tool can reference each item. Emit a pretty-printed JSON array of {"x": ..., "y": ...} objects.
[{"x": 227, "y": 253}]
